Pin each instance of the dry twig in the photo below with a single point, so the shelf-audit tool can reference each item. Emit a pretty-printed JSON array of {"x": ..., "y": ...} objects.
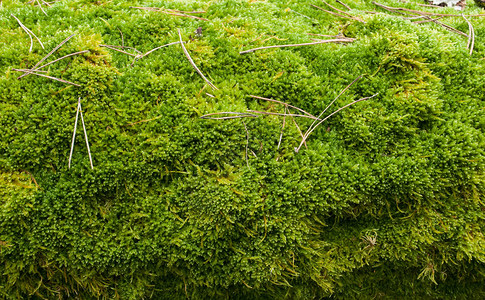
[
  {"x": 193, "y": 64},
  {"x": 46, "y": 57},
  {"x": 236, "y": 115},
  {"x": 343, "y": 4},
  {"x": 79, "y": 111},
  {"x": 342, "y": 14},
  {"x": 407, "y": 11},
  {"x": 172, "y": 12},
  {"x": 471, "y": 37},
  {"x": 327, "y": 117},
  {"x": 247, "y": 143},
  {"x": 340, "y": 40},
  {"x": 30, "y": 33}
]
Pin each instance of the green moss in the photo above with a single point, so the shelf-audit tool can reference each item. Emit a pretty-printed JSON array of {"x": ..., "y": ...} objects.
[{"x": 385, "y": 201}]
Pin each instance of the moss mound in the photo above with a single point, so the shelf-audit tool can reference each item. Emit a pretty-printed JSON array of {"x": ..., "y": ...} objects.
[{"x": 386, "y": 200}]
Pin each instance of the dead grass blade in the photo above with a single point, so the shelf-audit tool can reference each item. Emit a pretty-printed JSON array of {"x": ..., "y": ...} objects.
[
  {"x": 280, "y": 114},
  {"x": 30, "y": 33},
  {"x": 85, "y": 135},
  {"x": 247, "y": 143},
  {"x": 236, "y": 115},
  {"x": 74, "y": 133},
  {"x": 471, "y": 37},
  {"x": 342, "y": 15},
  {"x": 34, "y": 72},
  {"x": 340, "y": 40},
  {"x": 283, "y": 103},
  {"x": 193, "y": 64},
  {"x": 173, "y": 12},
  {"x": 418, "y": 12},
  {"x": 327, "y": 117},
  {"x": 282, "y": 128},
  {"x": 343, "y": 4},
  {"x": 47, "y": 56}
]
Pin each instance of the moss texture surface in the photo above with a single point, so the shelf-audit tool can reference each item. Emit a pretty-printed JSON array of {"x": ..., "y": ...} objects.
[{"x": 386, "y": 200}]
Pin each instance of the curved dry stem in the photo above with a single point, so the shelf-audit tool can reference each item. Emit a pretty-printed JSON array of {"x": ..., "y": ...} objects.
[
  {"x": 327, "y": 117},
  {"x": 340, "y": 40},
  {"x": 236, "y": 115},
  {"x": 193, "y": 64}
]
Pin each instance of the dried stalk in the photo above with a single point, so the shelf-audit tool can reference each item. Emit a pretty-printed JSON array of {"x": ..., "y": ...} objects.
[
  {"x": 47, "y": 56},
  {"x": 173, "y": 12},
  {"x": 136, "y": 56},
  {"x": 342, "y": 40},
  {"x": 401, "y": 9},
  {"x": 345, "y": 15},
  {"x": 283, "y": 103},
  {"x": 343, "y": 4},
  {"x": 425, "y": 15},
  {"x": 428, "y": 20},
  {"x": 74, "y": 132},
  {"x": 34, "y": 72},
  {"x": 247, "y": 143},
  {"x": 327, "y": 117},
  {"x": 328, "y": 106},
  {"x": 114, "y": 48},
  {"x": 79, "y": 111},
  {"x": 336, "y": 9},
  {"x": 236, "y": 115},
  {"x": 30, "y": 33},
  {"x": 471, "y": 38},
  {"x": 193, "y": 64},
  {"x": 282, "y": 128},
  {"x": 280, "y": 114},
  {"x": 56, "y": 60},
  {"x": 85, "y": 135}
]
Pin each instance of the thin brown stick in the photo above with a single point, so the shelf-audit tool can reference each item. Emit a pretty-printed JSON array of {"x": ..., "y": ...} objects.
[
  {"x": 328, "y": 35},
  {"x": 168, "y": 12},
  {"x": 336, "y": 14},
  {"x": 283, "y": 103},
  {"x": 346, "y": 40},
  {"x": 236, "y": 115},
  {"x": 122, "y": 47},
  {"x": 336, "y": 98},
  {"x": 280, "y": 114},
  {"x": 450, "y": 28},
  {"x": 299, "y": 130},
  {"x": 30, "y": 33},
  {"x": 328, "y": 106},
  {"x": 330, "y": 115},
  {"x": 428, "y": 20},
  {"x": 74, "y": 132},
  {"x": 144, "y": 121},
  {"x": 193, "y": 64},
  {"x": 114, "y": 48},
  {"x": 122, "y": 39},
  {"x": 31, "y": 71},
  {"x": 247, "y": 143},
  {"x": 34, "y": 72},
  {"x": 40, "y": 5},
  {"x": 85, "y": 134},
  {"x": 154, "y": 49},
  {"x": 471, "y": 37},
  {"x": 47, "y": 56},
  {"x": 336, "y": 9},
  {"x": 343, "y": 4},
  {"x": 56, "y": 60},
  {"x": 395, "y": 9},
  {"x": 185, "y": 12},
  {"x": 282, "y": 128}
]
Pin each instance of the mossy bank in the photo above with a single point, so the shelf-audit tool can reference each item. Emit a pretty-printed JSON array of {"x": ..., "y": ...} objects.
[{"x": 385, "y": 200}]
